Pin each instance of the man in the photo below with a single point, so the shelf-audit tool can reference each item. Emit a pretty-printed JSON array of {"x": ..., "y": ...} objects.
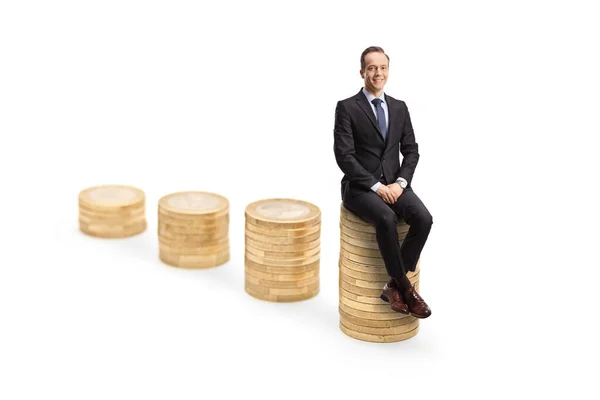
[{"x": 371, "y": 130}]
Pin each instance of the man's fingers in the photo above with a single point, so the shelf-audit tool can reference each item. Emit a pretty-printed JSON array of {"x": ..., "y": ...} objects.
[
  {"x": 388, "y": 195},
  {"x": 385, "y": 197}
]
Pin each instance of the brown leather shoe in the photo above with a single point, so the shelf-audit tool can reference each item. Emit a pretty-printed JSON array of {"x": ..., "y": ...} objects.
[
  {"x": 416, "y": 305},
  {"x": 392, "y": 295}
]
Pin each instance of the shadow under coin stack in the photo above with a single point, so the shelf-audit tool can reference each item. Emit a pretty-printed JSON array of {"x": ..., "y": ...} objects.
[
  {"x": 193, "y": 229},
  {"x": 362, "y": 275},
  {"x": 112, "y": 211},
  {"x": 282, "y": 250}
]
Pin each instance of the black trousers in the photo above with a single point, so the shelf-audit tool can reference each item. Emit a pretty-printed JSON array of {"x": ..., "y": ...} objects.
[{"x": 371, "y": 208}]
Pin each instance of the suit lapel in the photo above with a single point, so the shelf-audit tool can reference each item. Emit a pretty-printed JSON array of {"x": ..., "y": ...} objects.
[
  {"x": 366, "y": 107},
  {"x": 393, "y": 115}
]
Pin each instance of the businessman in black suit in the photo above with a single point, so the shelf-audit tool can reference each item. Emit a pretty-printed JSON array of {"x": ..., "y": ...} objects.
[{"x": 371, "y": 130}]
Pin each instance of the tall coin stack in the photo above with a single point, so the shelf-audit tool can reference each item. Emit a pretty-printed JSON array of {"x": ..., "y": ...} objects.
[
  {"x": 282, "y": 250},
  {"x": 193, "y": 229},
  {"x": 362, "y": 275},
  {"x": 112, "y": 211}
]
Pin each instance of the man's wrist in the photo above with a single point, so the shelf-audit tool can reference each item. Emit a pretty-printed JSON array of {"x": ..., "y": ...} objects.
[{"x": 402, "y": 182}]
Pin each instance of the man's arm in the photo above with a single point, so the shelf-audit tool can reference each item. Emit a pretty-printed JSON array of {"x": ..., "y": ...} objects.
[
  {"x": 343, "y": 147},
  {"x": 409, "y": 149}
]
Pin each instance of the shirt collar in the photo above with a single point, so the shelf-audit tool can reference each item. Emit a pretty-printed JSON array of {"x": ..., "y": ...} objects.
[{"x": 370, "y": 97}]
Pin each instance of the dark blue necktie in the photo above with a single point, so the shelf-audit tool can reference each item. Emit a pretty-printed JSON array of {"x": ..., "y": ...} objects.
[{"x": 380, "y": 117}]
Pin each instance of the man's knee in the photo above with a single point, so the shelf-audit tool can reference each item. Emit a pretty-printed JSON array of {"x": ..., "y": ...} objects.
[
  {"x": 387, "y": 219},
  {"x": 424, "y": 219}
]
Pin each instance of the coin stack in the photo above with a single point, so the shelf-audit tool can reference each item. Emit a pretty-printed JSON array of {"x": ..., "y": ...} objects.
[
  {"x": 193, "y": 229},
  {"x": 282, "y": 250},
  {"x": 362, "y": 275},
  {"x": 112, "y": 211}
]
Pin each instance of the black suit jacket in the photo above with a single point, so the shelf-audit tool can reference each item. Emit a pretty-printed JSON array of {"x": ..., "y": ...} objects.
[{"x": 360, "y": 150}]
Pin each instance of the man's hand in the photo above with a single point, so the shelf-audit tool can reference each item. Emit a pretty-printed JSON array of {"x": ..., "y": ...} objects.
[
  {"x": 387, "y": 194},
  {"x": 396, "y": 190}
]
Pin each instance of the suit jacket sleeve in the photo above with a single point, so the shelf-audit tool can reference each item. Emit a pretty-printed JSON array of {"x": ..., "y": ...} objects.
[
  {"x": 343, "y": 147},
  {"x": 409, "y": 149}
]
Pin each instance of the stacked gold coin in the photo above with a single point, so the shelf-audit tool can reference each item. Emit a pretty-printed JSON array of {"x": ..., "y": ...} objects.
[
  {"x": 282, "y": 253},
  {"x": 362, "y": 275},
  {"x": 112, "y": 211},
  {"x": 193, "y": 229}
]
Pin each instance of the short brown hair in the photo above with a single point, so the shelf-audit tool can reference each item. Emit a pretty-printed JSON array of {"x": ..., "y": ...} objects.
[{"x": 370, "y": 50}]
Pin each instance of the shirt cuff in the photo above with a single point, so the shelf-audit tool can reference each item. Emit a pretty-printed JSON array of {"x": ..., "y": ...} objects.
[{"x": 375, "y": 186}]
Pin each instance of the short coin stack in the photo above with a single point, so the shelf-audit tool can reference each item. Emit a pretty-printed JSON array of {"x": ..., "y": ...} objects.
[
  {"x": 112, "y": 211},
  {"x": 362, "y": 275},
  {"x": 282, "y": 250},
  {"x": 193, "y": 229}
]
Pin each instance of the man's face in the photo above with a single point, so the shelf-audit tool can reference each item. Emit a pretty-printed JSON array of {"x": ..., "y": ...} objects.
[{"x": 376, "y": 71}]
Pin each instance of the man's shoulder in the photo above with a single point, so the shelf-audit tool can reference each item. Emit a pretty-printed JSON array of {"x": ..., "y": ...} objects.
[{"x": 392, "y": 99}]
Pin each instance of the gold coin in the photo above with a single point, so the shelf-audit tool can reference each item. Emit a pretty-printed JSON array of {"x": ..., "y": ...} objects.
[
  {"x": 198, "y": 236},
  {"x": 372, "y": 308},
  {"x": 279, "y": 240},
  {"x": 361, "y": 299},
  {"x": 359, "y": 291},
  {"x": 359, "y": 242},
  {"x": 276, "y": 276},
  {"x": 210, "y": 221},
  {"x": 276, "y": 291},
  {"x": 281, "y": 298},
  {"x": 282, "y": 230},
  {"x": 194, "y": 260},
  {"x": 282, "y": 247},
  {"x": 193, "y": 204},
  {"x": 374, "y": 323},
  {"x": 362, "y": 260},
  {"x": 118, "y": 214},
  {"x": 383, "y": 331},
  {"x": 368, "y": 269},
  {"x": 117, "y": 221},
  {"x": 112, "y": 231},
  {"x": 199, "y": 250},
  {"x": 281, "y": 254},
  {"x": 111, "y": 197},
  {"x": 282, "y": 270},
  {"x": 360, "y": 251},
  {"x": 272, "y": 284},
  {"x": 290, "y": 262},
  {"x": 375, "y": 316},
  {"x": 383, "y": 278},
  {"x": 378, "y": 338},
  {"x": 361, "y": 283},
  {"x": 288, "y": 213}
]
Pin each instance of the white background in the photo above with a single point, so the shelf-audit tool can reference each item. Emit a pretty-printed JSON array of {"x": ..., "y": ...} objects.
[{"x": 238, "y": 98}]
